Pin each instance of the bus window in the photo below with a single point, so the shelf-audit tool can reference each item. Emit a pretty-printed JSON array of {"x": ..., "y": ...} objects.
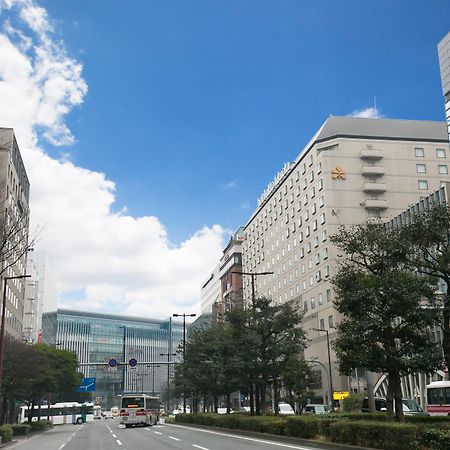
[{"x": 133, "y": 402}]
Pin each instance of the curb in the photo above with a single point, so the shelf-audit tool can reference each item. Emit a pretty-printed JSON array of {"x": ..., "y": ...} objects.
[{"x": 322, "y": 445}]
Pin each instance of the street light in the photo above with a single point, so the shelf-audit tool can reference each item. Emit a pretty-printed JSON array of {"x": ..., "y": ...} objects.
[
  {"x": 184, "y": 315},
  {"x": 2, "y": 329},
  {"x": 329, "y": 364},
  {"x": 124, "y": 356},
  {"x": 253, "y": 275},
  {"x": 168, "y": 377}
]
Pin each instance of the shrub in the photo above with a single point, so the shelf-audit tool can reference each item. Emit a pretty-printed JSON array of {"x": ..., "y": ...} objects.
[
  {"x": 353, "y": 402},
  {"x": 387, "y": 436},
  {"x": 21, "y": 429},
  {"x": 302, "y": 427},
  {"x": 436, "y": 439},
  {"x": 40, "y": 425},
  {"x": 6, "y": 432}
]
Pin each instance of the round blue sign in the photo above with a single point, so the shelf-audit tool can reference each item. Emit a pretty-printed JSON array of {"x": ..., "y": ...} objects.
[
  {"x": 112, "y": 362},
  {"x": 132, "y": 362}
]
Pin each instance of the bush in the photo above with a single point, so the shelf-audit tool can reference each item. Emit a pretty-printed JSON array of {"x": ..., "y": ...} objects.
[
  {"x": 302, "y": 427},
  {"x": 353, "y": 402},
  {"x": 387, "y": 436},
  {"x": 6, "y": 432},
  {"x": 40, "y": 425},
  {"x": 21, "y": 429},
  {"x": 436, "y": 439}
]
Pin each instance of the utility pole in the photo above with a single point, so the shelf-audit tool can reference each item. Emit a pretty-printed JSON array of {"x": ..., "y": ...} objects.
[
  {"x": 331, "y": 400},
  {"x": 184, "y": 315}
]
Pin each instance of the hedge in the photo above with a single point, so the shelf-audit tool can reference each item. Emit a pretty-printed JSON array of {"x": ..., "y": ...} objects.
[
  {"x": 6, "y": 432},
  {"x": 436, "y": 439},
  {"x": 374, "y": 434},
  {"x": 21, "y": 429},
  {"x": 40, "y": 425}
]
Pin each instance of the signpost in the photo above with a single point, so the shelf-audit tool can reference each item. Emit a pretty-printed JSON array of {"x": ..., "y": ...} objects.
[
  {"x": 112, "y": 363},
  {"x": 132, "y": 362},
  {"x": 340, "y": 395},
  {"x": 88, "y": 385}
]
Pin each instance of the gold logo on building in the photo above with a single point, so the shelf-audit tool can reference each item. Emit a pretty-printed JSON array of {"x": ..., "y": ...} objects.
[{"x": 338, "y": 173}]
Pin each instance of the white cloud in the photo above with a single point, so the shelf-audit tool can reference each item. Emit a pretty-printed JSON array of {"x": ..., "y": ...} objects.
[
  {"x": 121, "y": 263},
  {"x": 367, "y": 113},
  {"x": 230, "y": 185}
]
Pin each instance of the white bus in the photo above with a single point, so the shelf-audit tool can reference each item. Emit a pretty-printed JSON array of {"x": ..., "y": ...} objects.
[
  {"x": 139, "y": 409},
  {"x": 438, "y": 398},
  {"x": 60, "y": 413}
]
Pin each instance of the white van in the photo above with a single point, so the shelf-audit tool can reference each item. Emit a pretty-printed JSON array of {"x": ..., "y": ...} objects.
[{"x": 285, "y": 409}]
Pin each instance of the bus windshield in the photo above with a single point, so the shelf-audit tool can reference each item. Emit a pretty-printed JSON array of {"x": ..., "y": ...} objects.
[{"x": 133, "y": 402}]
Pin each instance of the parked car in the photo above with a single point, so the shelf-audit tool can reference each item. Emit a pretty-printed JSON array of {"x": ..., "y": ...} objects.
[
  {"x": 285, "y": 409},
  {"x": 224, "y": 411},
  {"x": 410, "y": 407},
  {"x": 316, "y": 409},
  {"x": 108, "y": 415}
]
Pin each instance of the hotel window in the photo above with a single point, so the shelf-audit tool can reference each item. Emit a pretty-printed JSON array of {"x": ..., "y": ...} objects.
[
  {"x": 319, "y": 168},
  {"x": 306, "y": 215},
  {"x": 311, "y": 280},
  {"x": 321, "y": 202},
  {"x": 315, "y": 224},
  {"x": 320, "y": 184},
  {"x": 314, "y": 208},
  {"x": 311, "y": 176},
  {"x": 304, "y": 285},
  {"x": 300, "y": 236},
  {"x": 320, "y": 299},
  {"x": 329, "y": 296},
  {"x": 322, "y": 218},
  {"x": 421, "y": 168},
  {"x": 423, "y": 185},
  {"x": 292, "y": 197},
  {"x": 442, "y": 169},
  {"x": 440, "y": 152},
  {"x": 305, "y": 183},
  {"x": 325, "y": 253},
  {"x": 313, "y": 192},
  {"x": 324, "y": 235},
  {"x": 303, "y": 168},
  {"x": 297, "y": 175},
  {"x": 298, "y": 190},
  {"x": 307, "y": 231},
  {"x": 313, "y": 303},
  {"x": 317, "y": 258},
  {"x": 330, "y": 322},
  {"x": 327, "y": 271},
  {"x": 310, "y": 160},
  {"x": 420, "y": 153},
  {"x": 316, "y": 241},
  {"x": 322, "y": 324},
  {"x": 308, "y": 247},
  {"x": 299, "y": 221},
  {"x": 305, "y": 199},
  {"x": 305, "y": 305}
]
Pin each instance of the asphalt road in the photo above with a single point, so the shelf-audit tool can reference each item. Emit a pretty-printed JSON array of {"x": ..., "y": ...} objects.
[{"x": 108, "y": 435}]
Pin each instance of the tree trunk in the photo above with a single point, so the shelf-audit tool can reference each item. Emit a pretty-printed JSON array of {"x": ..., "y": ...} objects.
[
  {"x": 228, "y": 402},
  {"x": 398, "y": 399},
  {"x": 252, "y": 399},
  {"x": 390, "y": 398},
  {"x": 275, "y": 396},
  {"x": 216, "y": 403},
  {"x": 257, "y": 399},
  {"x": 204, "y": 403}
]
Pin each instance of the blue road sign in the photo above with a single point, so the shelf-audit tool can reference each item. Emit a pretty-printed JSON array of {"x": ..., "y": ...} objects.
[
  {"x": 132, "y": 362},
  {"x": 112, "y": 362},
  {"x": 88, "y": 385}
]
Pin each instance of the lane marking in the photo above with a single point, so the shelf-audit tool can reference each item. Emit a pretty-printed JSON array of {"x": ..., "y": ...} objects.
[
  {"x": 157, "y": 432},
  {"x": 114, "y": 436},
  {"x": 198, "y": 446},
  {"x": 174, "y": 438},
  {"x": 244, "y": 438},
  {"x": 118, "y": 442},
  {"x": 61, "y": 446},
  {"x": 148, "y": 429}
]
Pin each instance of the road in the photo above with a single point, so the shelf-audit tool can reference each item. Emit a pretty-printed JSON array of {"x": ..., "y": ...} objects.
[{"x": 108, "y": 435}]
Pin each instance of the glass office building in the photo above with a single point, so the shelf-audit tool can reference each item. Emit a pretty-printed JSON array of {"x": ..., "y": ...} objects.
[{"x": 98, "y": 338}]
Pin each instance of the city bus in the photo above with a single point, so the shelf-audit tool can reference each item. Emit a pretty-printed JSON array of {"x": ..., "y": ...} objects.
[
  {"x": 60, "y": 413},
  {"x": 139, "y": 409},
  {"x": 438, "y": 398}
]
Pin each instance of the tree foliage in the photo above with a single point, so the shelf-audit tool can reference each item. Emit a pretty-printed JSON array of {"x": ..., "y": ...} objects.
[{"x": 387, "y": 309}]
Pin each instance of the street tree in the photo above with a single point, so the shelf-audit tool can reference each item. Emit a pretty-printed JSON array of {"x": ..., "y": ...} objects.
[
  {"x": 387, "y": 310},
  {"x": 429, "y": 235}
]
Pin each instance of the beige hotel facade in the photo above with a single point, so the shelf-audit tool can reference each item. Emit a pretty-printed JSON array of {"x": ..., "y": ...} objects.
[{"x": 352, "y": 170}]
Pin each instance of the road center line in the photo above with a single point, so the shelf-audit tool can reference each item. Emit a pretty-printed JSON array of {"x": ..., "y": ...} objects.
[
  {"x": 114, "y": 436},
  {"x": 61, "y": 446},
  {"x": 157, "y": 432},
  {"x": 118, "y": 442},
  {"x": 244, "y": 438},
  {"x": 174, "y": 438},
  {"x": 198, "y": 446}
]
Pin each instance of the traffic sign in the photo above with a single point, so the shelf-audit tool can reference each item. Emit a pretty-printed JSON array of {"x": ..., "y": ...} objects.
[
  {"x": 112, "y": 362},
  {"x": 340, "y": 395},
  {"x": 132, "y": 362},
  {"x": 88, "y": 385}
]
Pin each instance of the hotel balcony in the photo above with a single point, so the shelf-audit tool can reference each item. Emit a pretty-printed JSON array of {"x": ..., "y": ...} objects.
[
  {"x": 373, "y": 170},
  {"x": 375, "y": 204},
  {"x": 369, "y": 153},
  {"x": 374, "y": 187}
]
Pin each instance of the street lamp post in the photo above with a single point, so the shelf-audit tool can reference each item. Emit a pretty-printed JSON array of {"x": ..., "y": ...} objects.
[
  {"x": 184, "y": 315},
  {"x": 124, "y": 356},
  {"x": 2, "y": 329},
  {"x": 329, "y": 365},
  {"x": 153, "y": 379}
]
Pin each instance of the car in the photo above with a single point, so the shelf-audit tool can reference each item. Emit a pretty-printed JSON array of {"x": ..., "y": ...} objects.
[
  {"x": 410, "y": 407},
  {"x": 108, "y": 415},
  {"x": 224, "y": 411},
  {"x": 316, "y": 408},
  {"x": 285, "y": 409}
]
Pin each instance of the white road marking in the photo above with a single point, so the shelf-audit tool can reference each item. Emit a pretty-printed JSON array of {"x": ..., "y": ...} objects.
[
  {"x": 61, "y": 446},
  {"x": 114, "y": 436},
  {"x": 243, "y": 438},
  {"x": 201, "y": 448},
  {"x": 157, "y": 432},
  {"x": 118, "y": 442},
  {"x": 174, "y": 438},
  {"x": 148, "y": 429},
  {"x": 159, "y": 426}
]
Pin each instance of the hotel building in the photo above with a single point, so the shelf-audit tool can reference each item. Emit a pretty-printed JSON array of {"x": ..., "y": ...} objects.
[
  {"x": 444, "y": 63},
  {"x": 351, "y": 171}
]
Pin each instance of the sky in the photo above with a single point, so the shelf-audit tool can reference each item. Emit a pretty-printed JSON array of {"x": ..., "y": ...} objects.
[{"x": 150, "y": 128}]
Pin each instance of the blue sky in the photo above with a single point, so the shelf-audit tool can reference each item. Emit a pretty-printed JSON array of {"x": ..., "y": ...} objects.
[
  {"x": 150, "y": 128},
  {"x": 193, "y": 106}
]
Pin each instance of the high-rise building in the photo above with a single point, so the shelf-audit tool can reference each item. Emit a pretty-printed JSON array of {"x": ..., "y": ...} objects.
[
  {"x": 352, "y": 170},
  {"x": 14, "y": 219},
  {"x": 210, "y": 291},
  {"x": 444, "y": 63},
  {"x": 97, "y": 338},
  {"x": 32, "y": 316}
]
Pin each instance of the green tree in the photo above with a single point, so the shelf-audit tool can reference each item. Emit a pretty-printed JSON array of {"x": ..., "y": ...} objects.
[
  {"x": 429, "y": 236},
  {"x": 296, "y": 378},
  {"x": 387, "y": 309}
]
